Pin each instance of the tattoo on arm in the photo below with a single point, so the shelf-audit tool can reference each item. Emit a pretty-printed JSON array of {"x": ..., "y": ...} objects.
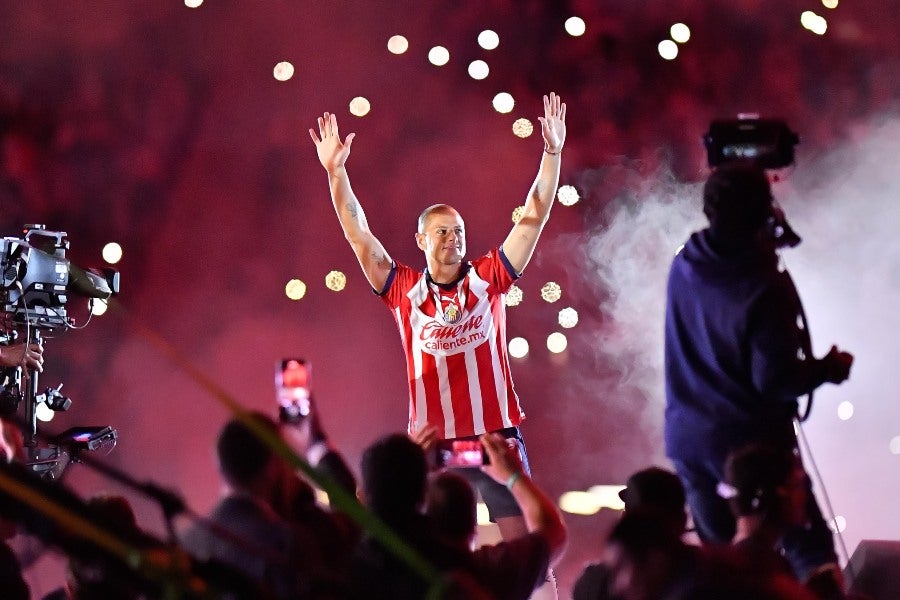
[
  {"x": 381, "y": 260},
  {"x": 353, "y": 209}
]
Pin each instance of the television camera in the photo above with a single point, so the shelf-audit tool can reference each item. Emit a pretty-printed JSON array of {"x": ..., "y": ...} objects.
[
  {"x": 766, "y": 143},
  {"x": 36, "y": 282}
]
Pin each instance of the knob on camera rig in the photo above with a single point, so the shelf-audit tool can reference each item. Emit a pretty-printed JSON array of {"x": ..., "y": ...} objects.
[{"x": 36, "y": 280}]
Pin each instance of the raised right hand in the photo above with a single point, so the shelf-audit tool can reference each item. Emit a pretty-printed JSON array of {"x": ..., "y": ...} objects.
[
  {"x": 837, "y": 365},
  {"x": 332, "y": 152}
]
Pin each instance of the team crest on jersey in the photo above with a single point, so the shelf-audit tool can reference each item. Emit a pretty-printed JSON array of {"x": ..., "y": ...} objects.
[{"x": 452, "y": 314}]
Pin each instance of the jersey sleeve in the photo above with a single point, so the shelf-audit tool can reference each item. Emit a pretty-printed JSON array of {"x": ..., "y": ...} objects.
[
  {"x": 399, "y": 281},
  {"x": 496, "y": 269}
]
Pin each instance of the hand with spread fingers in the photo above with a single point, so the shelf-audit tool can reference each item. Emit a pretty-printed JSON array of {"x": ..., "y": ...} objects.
[
  {"x": 332, "y": 152},
  {"x": 553, "y": 124}
]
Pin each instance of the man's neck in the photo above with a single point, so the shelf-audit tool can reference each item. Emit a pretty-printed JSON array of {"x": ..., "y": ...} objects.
[{"x": 444, "y": 274}]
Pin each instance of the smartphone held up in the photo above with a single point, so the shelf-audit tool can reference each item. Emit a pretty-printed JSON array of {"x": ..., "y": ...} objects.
[
  {"x": 461, "y": 454},
  {"x": 292, "y": 389}
]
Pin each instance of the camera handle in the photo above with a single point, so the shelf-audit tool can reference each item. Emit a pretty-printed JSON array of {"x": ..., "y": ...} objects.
[{"x": 31, "y": 392}]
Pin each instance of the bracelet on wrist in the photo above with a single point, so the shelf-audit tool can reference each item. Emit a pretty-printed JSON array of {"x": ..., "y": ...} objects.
[
  {"x": 512, "y": 480},
  {"x": 547, "y": 150}
]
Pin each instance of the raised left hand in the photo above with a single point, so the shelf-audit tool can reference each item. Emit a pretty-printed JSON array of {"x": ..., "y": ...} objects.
[{"x": 553, "y": 123}]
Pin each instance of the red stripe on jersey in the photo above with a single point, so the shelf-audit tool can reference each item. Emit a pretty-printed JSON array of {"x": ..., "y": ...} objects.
[
  {"x": 461, "y": 399},
  {"x": 490, "y": 404},
  {"x": 434, "y": 412}
]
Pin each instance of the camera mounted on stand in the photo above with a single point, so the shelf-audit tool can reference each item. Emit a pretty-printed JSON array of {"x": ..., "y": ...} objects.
[
  {"x": 765, "y": 143},
  {"x": 36, "y": 281}
]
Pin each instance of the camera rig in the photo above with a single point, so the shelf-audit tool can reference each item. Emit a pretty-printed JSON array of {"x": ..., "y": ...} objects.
[{"x": 36, "y": 281}]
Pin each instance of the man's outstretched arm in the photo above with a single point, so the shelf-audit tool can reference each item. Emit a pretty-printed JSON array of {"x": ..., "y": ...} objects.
[
  {"x": 333, "y": 154},
  {"x": 521, "y": 241}
]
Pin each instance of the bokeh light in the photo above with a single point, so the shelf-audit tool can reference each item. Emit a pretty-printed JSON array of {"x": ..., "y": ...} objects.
[
  {"x": 193, "y": 3},
  {"x": 517, "y": 214},
  {"x": 523, "y": 127},
  {"x": 518, "y": 347},
  {"x": 360, "y": 107},
  {"x": 439, "y": 56},
  {"x": 830, "y": 3},
  {"x": 557, "y": 342},
  {"x": 813, "y": 22},
  {"x": 568, "y": 318},
  {"x": 112, "y": 253},
  {"x": 44, "y": 413},
  {"x": 579, "y": 503},
  {"x": 894, "y": 445},
  {"x": 680, "y": 32},
  {"x": 283, "y": 71},
  {"x": 98, "y": 306},
  {"x": 503, "y": 103},
  {"x": 838, "y": 524},
  {"x": 668, "y": 49},
  {"x": 397, "y": 44},
  {"x": 514, "y": 296},
  {"x": 845, "y": 410},
  {"x": 478, "y": 69},
  {"x": 295, "y": 289},
  {"x": 551, "y": 292},
  {"x": 335, "y": 281},
  {"x": 489, "y": 40},
  {"x": 567, "y": 195},
  {"x": 575, "y": 26}
]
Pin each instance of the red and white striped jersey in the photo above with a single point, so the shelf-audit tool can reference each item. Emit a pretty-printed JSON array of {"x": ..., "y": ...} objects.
[{"x": 455, "y": 344}]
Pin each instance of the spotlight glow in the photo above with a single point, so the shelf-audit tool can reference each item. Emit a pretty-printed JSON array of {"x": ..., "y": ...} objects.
[
  {"x": 814, "y": 22},
  {"x": 44, "y": 413},
  {"x": 608, "y": 496},
  {"x": 489, "y": 40},
  {"x": 668, "y": 49},
  {"x": 295, "y": 289},
  {"x": 503, "y": 103},
  {"x": 478, "y": 69},
  {"x": 838, "y": 524},
  {"x": 680, "y": 32},
  {"x": 894, "y": 445},
  {"x": 335, "y": 281},
  {"x": 360, "y": 107},
  {"x": 283, "y": 71},
  {"x": 579, "y": 503},
  {"x": 514, "y": 296},
  {"x": 397, "y": 44},
  {"x": 567, "y": 195},
  {"x": 439, "y": 56},
  {"x": 98, "y": 306},
  {"x": 551, "y": 292},
  {"x": 845, "y": 410},
  {"x": 112, "y": 253},
  {"x": 518, "y": 213},
  {"x": 568, "y": 318},
  {"x": 575, "y": 26},
  {"x": 557, "y": 342},
  {"x": 523, "y": 128},
  {"x": 518, "y": 347},
  {"x": 482, "y": 517}
]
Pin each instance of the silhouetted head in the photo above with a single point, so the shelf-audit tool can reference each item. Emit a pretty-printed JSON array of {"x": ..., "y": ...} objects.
[
  {"x": 450, "y": 502},
  {"x": 243, "y": 457},
  {"x": 658, "y": 490},
  {"x": 737, "y": 199},
  {"x": 394, "y": 472}
]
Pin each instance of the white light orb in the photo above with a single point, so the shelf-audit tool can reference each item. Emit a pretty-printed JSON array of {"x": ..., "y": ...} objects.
[
  {"x": 518, "y": 347},
  {"x": 557, "y": 342},
  {"x": 680, "y": 32},
  {"x": 845, "y": 410},
  {"x": 283, "y": 71},
  {"x": 668, "y": 49},
  {"x": 397, "y": 44},
  {"x": 568, "y": 318},
  {"x": 360, "y": 107},
  {"x": 98, "y": 306},
  {"x": 489, "y": 40},
  {"x": 44, "y": 413},
  {"x": 335, "y": 281},
  {"x": 575, "y": 26},
  {"x": 567, "y": 195},
  {"x": 551, "y": 292},
  {"x": 894, "y": 445},
  {"x": 837, "y": 524},
  {"x": 193, "y": 3},
  {"x": 514, "y": 296},
  {"x": 523, "y": 128},
  {"x": 478, "y": 69},
  {"x": 439, "y": 56},
  {"x": 295, "y": 289},
  {"x": 579, "y": 503},
  {"x": 112, "y": 253},
  {"x": 503, "y": 103}
]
